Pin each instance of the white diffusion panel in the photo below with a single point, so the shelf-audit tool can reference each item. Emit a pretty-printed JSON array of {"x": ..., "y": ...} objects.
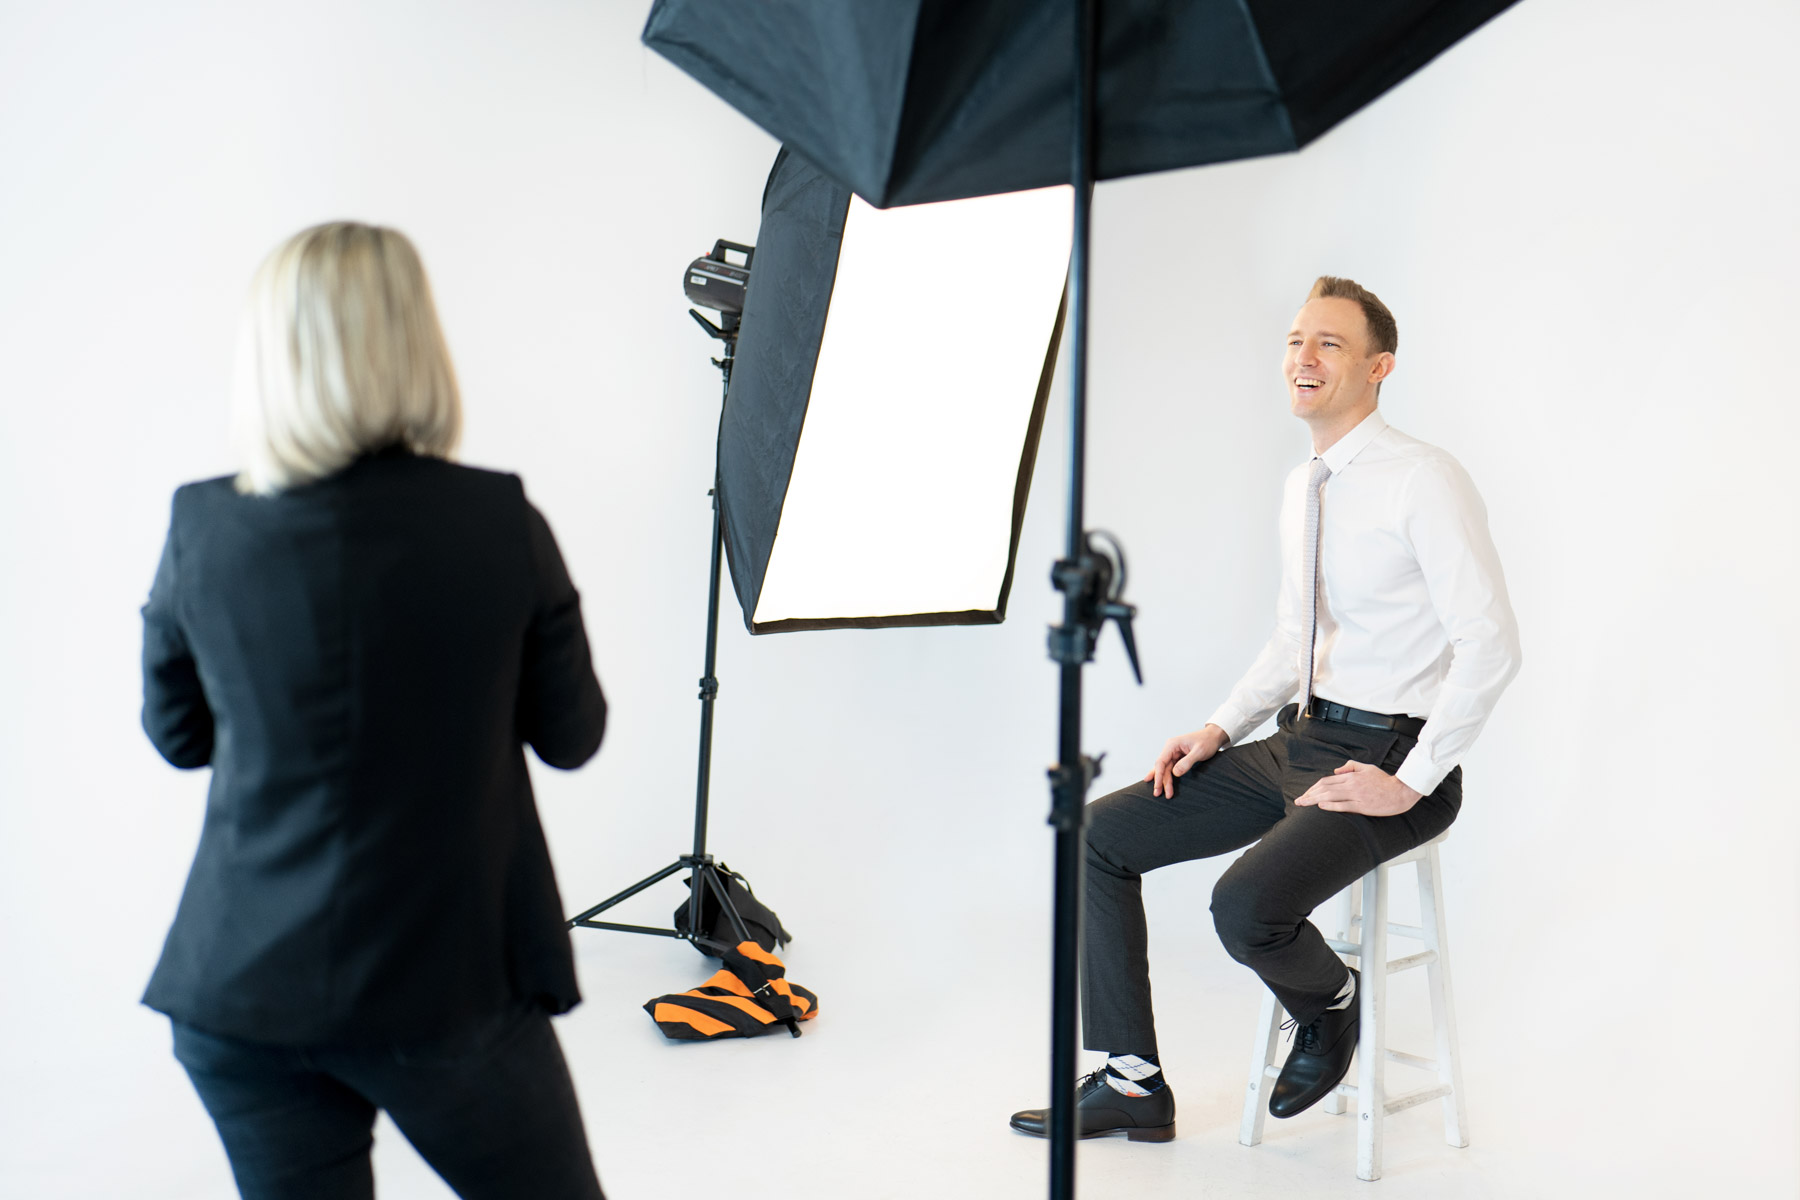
[{"x": 901, "y": 496}]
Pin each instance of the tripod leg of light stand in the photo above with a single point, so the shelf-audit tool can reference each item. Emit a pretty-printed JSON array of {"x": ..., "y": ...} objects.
[{"x": 585, "y": 919}]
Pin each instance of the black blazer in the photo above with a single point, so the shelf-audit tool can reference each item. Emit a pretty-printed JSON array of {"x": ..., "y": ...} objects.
[{"x": 360, "y": 660}]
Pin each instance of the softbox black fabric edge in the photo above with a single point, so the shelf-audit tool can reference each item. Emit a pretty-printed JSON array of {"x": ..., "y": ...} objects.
[
  {"x": 746, "y": 552},
  {"x": 1028, "y": 455},
  {"x": 806, "y": 407},
  {"x": 971, "y": 616}
]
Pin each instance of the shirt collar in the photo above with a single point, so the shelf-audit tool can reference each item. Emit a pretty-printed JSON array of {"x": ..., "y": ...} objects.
[{"x": 1346, "y": 448}]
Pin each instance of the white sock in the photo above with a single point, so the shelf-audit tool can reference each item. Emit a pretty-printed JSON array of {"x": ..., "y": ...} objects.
[
  {"x": 1133, "y": 1074},
  {"x": 1345, "y": 995}
]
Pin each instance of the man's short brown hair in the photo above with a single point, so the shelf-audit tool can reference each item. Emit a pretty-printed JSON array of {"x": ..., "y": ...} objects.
[{"x": 1384, "y": 335}]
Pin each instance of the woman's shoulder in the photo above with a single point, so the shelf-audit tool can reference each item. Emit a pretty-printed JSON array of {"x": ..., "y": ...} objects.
[
  {"x": 203, "y": 494},
  {"x": 474, "y": 476},
  {"x": 481, "y": 484},
  {"x": 382, "y": 480}
]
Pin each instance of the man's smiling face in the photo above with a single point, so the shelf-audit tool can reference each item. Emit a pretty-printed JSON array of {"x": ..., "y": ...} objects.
[{"x": 1329, "y": 367}]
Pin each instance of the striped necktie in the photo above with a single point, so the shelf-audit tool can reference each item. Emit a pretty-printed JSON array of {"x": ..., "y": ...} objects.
[{"x": 1309, "y": 572}]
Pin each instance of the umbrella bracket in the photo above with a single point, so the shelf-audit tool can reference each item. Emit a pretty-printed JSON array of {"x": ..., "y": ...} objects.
[{"x": 1094, "y": 585}]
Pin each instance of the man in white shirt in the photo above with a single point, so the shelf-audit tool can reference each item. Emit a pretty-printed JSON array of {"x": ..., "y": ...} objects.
[{"x": 1394, "y": 638}]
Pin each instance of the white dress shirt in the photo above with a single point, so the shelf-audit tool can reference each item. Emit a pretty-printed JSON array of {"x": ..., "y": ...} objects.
[{"x": 1413, "y": 615}]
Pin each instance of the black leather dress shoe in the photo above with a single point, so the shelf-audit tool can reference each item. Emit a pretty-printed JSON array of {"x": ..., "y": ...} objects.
[
  {"x": 1320, "y": 1058},
  {"x": 1102, "y": 1109}
]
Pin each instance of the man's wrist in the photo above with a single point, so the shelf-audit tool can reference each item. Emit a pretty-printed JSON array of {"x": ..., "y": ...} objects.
[
  {"x": 1419, "y": 773},
  {"x": 1229, "y": 721}
]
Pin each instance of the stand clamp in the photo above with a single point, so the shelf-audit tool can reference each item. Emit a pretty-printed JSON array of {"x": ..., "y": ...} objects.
[{"x": 1094, "y": 584}]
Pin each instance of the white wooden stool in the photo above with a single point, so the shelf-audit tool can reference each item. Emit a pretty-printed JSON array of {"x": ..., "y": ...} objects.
[{"x": 1364, "y": 904}]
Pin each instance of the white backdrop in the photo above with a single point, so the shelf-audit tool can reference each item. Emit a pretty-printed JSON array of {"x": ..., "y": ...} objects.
[{"x": 1584, "y": 221}]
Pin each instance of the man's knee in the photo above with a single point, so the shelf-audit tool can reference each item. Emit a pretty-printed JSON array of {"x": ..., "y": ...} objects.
[
  {"x": 1107, "y": 834},
  {"x": 1246, "y": 923}
]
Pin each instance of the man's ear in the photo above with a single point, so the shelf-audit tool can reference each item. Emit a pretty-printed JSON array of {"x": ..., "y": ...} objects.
[{"x": 1382, "y": 367}]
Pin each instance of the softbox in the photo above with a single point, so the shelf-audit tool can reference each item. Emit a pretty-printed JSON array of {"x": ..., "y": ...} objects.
[{"x": 882, "y": 423}]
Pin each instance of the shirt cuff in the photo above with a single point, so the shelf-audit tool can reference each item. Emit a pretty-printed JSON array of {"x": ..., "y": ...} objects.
[
  {"x": 1420, "y": 774},
  {"x": 1232, "y": 721}
]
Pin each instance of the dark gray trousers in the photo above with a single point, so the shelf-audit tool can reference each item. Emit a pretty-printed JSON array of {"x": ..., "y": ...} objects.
[
  {"x": 1261, "y": 904},
  {"x": 492, "y": 1109}
]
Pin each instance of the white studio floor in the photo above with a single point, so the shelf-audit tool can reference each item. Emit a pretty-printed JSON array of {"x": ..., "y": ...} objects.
[
  {"x": 902, "y": 1087},
  {"x": 880, "y": 1105}
]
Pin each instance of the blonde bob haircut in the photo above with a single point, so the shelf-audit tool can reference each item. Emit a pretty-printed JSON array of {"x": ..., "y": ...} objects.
[{"x": 339, "y": 354}]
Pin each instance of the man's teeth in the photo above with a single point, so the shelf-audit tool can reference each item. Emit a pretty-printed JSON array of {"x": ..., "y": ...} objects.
[{"x": 1308, "y": 383}]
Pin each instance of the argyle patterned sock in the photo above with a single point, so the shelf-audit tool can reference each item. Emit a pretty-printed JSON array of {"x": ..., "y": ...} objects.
[{"x": 1134, "y": 1074}]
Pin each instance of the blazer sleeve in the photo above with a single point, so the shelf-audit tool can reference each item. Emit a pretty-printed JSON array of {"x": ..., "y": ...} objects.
[
  {"x": 562, "y": 713},
  {"x": 176, "y": 715}
]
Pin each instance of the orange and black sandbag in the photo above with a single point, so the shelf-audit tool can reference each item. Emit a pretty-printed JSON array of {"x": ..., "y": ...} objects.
[{"x": 748, "y": 997}]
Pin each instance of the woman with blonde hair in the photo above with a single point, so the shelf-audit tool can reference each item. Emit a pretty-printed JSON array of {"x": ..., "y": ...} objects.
[{"x": 360, "y": 637}]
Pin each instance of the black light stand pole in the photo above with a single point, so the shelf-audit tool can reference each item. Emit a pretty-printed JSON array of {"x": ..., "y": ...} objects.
[
  {"x": 706, "y": 876},
  {"x": 1071, "y": 644},
  {"x": 1091, "y": 577},
  {"x": 709, "y": 682}
]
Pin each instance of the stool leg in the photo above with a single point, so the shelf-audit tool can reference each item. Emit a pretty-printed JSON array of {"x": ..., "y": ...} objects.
[
  {"x": 1443, "y": 1005},
  {"x": 1346, "y": 906},
  {"x": 1371, "y": 1044},
  {"x": 1262, "y": 1057}
]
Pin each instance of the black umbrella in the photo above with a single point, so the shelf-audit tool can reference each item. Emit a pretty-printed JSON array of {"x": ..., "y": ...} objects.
[{"x": 909, "y": 101}]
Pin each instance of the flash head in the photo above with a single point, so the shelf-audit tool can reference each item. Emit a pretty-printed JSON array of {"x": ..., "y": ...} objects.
[{"x": 716, "y": 281}]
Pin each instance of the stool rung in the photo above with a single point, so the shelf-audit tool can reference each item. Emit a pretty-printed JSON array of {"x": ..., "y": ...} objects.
[
  {"x": 1403, "y": 1101},
  {"x": 1405, "y": 931},
  {"x": 1412, "y": 1060},
  {"x": 1396, "y": 965},
  {"x": 1407, "y": 1100}
]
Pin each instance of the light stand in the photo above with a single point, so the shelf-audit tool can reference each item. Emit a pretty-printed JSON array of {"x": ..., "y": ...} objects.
[
  {"x": 706, "y": 876},
  {"x": 1092, "y": 580}
]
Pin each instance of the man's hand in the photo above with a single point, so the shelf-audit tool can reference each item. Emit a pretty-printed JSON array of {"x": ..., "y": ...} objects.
[
  {"x": 1360, "y": 788},
  {"x": 1180, "y": 753}
]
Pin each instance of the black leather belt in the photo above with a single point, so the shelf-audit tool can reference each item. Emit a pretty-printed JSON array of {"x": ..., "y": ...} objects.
[{"x": 1330, "y": 710}]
